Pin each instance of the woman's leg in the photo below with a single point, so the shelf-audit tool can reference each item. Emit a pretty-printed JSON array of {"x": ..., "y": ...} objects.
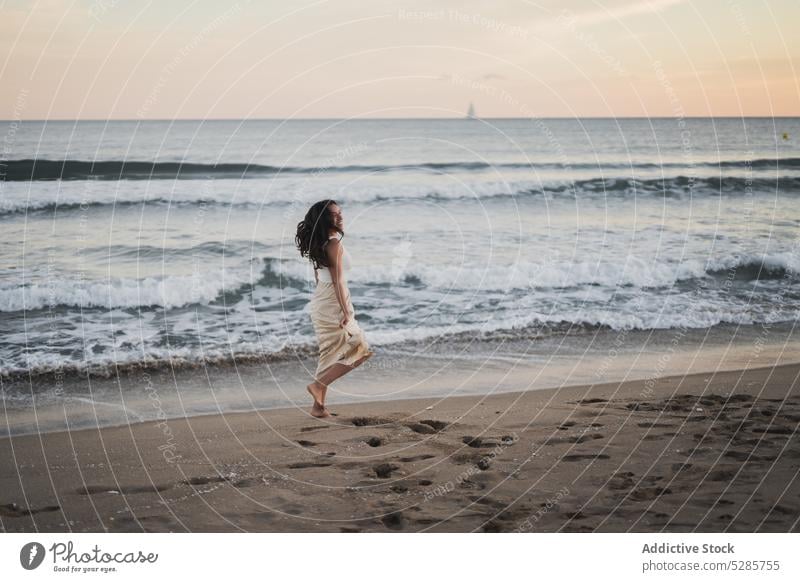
[
  {"x": 335, "y": 372},
  {"x": 361, "y": 361},
  {"x": 319, "y": 388}
]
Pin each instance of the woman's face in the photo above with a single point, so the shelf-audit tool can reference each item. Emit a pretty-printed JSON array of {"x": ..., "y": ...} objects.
[{"x": 336, "y": 216}]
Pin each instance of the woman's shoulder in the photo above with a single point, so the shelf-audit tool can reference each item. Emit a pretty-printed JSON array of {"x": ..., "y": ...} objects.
[
  {"x": 333, "y": 241},
  {"x": 332, "y": 246}
]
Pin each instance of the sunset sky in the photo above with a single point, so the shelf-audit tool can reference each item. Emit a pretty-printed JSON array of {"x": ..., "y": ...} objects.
[{"x": 118, "y": 59}]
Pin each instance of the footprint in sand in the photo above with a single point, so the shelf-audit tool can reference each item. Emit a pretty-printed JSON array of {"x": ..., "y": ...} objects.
[
  {"x": 584, "y": 457},
  {"x": 573, "y": 439},
  {"x": 648, "y": 493},
  {"x": 658, "y": 437},
  {"x": 384, "y": 470},
  {"x": 347, "y": 465},
  {"x": 308, "y": 465},
  {"x": 14, "y": 510},
  {"x": 470, "y": 441},
  {"x": 427, "y": 426},
  {"x": 436, "y": 424},
  {"x": 374, "y": 441},
  {"x": 420, "y": 428},
  {"x": 774, "y": 430},
  {"x": 655, "y": 424},
  {"x": 204, "y": 480},
  {"x": 487, "y": 442},
  {"x": 465, "y": 458},
  {"x": 368, "y": 421},
  {"x": 311, "y": 428},
  {"x": 781, "y": 510},
  {"x": 395, "y": 521},
  {"x": 483, "y": 463},
  {"x": 249, "y": 482},
  {"x": 722, "y": 475},
  {"x": 621, "y": 481},
  {"x": 745, "y": 456},
  {"x": 488, "y": 501},
  {"x": 125, "y": 489},
  {"x": 416, "y": 458}
]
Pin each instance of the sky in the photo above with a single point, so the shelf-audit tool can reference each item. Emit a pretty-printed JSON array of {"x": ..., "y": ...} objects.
[{"x": 118, "y": 59}]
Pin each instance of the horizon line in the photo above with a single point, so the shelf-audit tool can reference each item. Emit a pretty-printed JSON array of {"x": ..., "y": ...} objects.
[{"x": 464, "y": 118}]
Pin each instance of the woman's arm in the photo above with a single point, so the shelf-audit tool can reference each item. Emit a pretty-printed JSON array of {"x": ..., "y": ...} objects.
[{"x": 335, "y": 252}]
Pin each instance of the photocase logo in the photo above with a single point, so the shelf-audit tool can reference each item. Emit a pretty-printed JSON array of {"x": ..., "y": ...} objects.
[{"x": 31, "y": 555}]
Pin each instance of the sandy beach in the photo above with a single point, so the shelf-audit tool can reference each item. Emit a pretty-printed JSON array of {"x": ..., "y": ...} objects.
[{"x": 702, "y": 452}]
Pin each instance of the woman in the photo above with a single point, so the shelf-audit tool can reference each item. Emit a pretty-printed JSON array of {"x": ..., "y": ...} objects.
[{"x": 342, "y": 346}]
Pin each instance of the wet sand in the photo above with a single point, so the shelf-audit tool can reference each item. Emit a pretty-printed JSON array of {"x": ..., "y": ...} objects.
[{"x": 703, "y": 452}]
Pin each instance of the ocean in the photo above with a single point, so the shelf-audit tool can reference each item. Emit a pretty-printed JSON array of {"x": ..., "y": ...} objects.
[{"x": 171, "y": 243}]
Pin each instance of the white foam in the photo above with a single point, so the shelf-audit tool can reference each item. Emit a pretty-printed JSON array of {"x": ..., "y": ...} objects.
[
  {"x": 633, "y": 271},
  {"x": 116, "y": 292}
]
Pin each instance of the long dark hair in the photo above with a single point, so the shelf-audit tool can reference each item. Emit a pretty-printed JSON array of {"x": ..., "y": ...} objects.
[{"x": 313, "y": 232}]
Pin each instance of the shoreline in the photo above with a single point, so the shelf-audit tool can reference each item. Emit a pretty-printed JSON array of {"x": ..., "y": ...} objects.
[
  {"x": 713, "y": 451},
  {"x": 445, "y": 344},
  {"x": 410, "y": 399},
  {"x": 444, "y": 370}
]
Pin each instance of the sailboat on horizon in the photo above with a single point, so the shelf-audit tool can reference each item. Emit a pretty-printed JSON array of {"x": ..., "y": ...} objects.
[{"x": 471, "y": 111}]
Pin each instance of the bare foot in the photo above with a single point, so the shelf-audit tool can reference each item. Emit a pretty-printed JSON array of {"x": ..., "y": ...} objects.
[
  {"x": 319, "y": 411},
  {"x": 317, "y": 392}
]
